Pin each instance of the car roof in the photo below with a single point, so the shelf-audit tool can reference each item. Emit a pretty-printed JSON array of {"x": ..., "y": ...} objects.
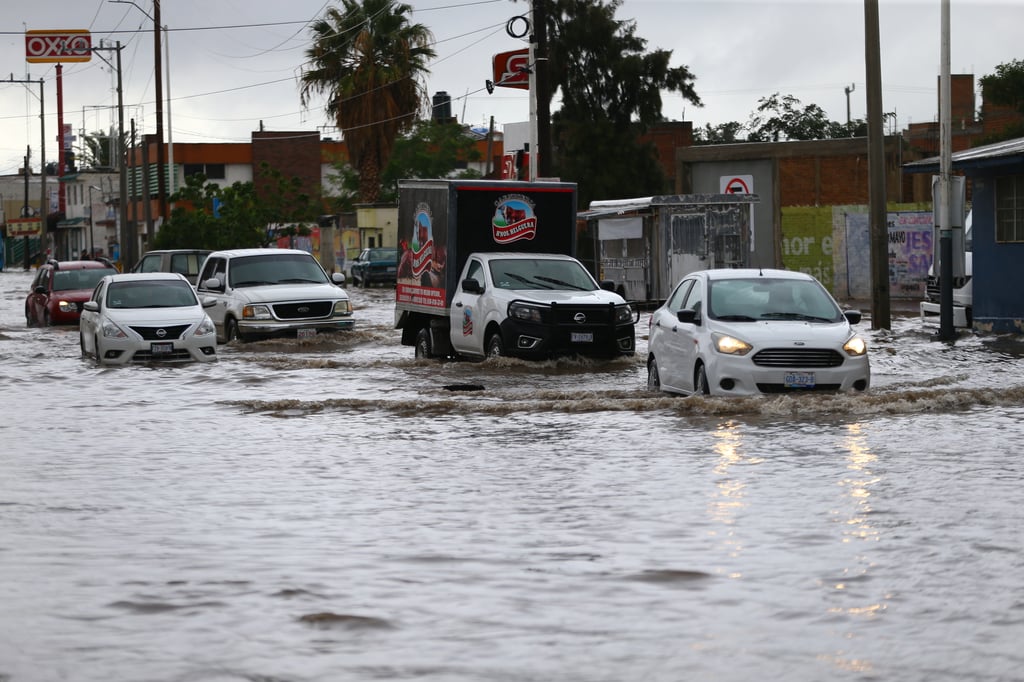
[
  {"x": 177, "y": 251},
  {"x": 78, "y": 264},
  {"x": 147, "y": 276},
  {"x": 232, "y": 253},
  {"x": 753, "y": 273}
]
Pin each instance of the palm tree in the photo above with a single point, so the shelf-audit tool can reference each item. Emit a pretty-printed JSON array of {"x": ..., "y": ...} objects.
[{"x": 368, "y": 60}]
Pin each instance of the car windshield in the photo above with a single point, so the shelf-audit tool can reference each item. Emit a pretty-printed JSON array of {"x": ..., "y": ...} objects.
[
  {"x": 283, "y": 268},
  {"x": 760, "y": 298},
  {"x": 70, "y": 280},
  {"x": 383, "y": 255},
  {"x": 541, "y": 273},
  {"x": 152, "y": 293}
]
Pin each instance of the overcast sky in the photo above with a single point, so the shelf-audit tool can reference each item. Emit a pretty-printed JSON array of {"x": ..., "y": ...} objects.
[{"x": 234, "y": 64}]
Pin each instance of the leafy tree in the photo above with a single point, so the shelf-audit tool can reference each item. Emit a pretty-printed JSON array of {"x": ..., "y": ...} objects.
[
  {"x": 432, "y": 149},
  {"x": 1005, "y": 88},
  {"x": 241, "y": 217},
  {"x": 785, "y": 118},
  {"x": 368, "y": 59},
  {"x": 723, "y": 133},
  {"x": 610, "y": 91},
  {"x": 96, "y": 150}
]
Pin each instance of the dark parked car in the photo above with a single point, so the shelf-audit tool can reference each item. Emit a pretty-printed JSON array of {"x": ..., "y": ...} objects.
[
  {"x": 183, "y": 261},
  {"x": 60, "y": 288},
  {"x": 375, "y": 266}
]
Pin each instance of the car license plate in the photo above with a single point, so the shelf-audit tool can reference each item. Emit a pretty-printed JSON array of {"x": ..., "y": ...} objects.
[
  {"x": 306, "y": 333},
  {"x": 162, "y": 348},
  {"x": 581, "y": 337},
  {"x": 391, "y": 269},
  {"x": 799, "y": 380}
]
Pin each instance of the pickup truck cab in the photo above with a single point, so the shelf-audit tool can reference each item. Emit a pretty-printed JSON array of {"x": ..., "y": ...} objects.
[
  {"x": 535, "y": 305},
  {"x": 272, "y": 292}
]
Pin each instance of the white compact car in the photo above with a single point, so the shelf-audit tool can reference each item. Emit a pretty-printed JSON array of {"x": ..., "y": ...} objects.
[
  {"x": 748, "y": 332},
  {"x": 146, "y": 317}
]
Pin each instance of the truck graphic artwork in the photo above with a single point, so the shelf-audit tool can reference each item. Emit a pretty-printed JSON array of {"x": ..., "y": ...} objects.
[
  {"x": 422, "y": 241},
  {"x": 467, "y": 322},
  {"x": 514, "y": 219}
]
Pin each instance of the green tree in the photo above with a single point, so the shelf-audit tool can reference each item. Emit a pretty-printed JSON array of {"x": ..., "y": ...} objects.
[
  {"x": 611, "y": 89},
  {"x": 432, "y": 149},
  {"x": 368, "y": 60},
  {"x": 780, "y": 118},
  {"x": 723, "y": 133},
  {"x": 97, "y": 150},
  {"x": 1005, "y": 88}
]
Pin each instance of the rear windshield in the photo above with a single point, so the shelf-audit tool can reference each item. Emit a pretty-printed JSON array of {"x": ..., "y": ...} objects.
[{"x": 69, "y": 280}]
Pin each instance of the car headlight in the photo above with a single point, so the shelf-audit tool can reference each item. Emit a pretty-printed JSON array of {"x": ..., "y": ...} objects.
[
  {"x": 256, "y": 312},
  {"x": 112, "y": 331},
  {"x": 205, "y": 327},
  {"x": 623, "y": 314},
  {"x": 856, "y": 346},
  {"x": 67, "y": 306},
  {"x": 342, "y": 307},
  {"x": 526, "y": 313},
  {"x": 730, "y": 345}
]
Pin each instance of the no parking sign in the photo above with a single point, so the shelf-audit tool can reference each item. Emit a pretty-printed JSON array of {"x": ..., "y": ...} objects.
[{"x": 737, "y": 184}]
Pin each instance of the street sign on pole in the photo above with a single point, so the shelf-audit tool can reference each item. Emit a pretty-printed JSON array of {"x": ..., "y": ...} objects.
[{"x": 58, "y": 47}]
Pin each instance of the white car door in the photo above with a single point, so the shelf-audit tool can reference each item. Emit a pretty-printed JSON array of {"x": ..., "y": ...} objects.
[
  {"x": 665, "y": 333},
  {"x": 466, "y": 316}
]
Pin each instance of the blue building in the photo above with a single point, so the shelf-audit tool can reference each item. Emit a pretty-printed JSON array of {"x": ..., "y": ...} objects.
[{"x": 995, "y": 175}]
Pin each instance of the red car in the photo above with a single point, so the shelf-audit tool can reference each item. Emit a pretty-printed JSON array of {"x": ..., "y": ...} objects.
[{"x": 60, "y": 288}]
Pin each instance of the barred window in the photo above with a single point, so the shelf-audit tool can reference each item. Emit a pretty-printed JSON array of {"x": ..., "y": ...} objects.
[{"x": 1010, "y": 209}]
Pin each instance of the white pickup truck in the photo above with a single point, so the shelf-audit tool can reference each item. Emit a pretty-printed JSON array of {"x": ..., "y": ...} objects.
[
  {"x": 962, "y": 289},
  {"x": 531, "y": 305}
]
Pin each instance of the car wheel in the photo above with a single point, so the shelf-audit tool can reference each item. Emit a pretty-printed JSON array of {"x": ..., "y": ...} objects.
[
  {"x": 700, "y": 381},
  {"x": 96, "y": 350},
  {"x": 653, "y": 378},
  {"x": 495, "y": 346},
  {"x": 231, "y": 330},
  {"x": 81, "y": 344},
  {"x": 424, "y": 347}
]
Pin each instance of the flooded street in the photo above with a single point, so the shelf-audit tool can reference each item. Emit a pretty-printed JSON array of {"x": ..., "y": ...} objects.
[{"x": 327, "y": 509}]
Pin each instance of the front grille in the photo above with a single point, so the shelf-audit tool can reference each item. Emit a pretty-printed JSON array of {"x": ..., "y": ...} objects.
[
  {"x": 146, "y": 356},
  {"x": 782, "y": 388},
  {"x": 150, "y": 333},
  {"x": 594, "y": 314},
  {"x": 798, "y": 357},
  {"x": 304, "y": 310}
]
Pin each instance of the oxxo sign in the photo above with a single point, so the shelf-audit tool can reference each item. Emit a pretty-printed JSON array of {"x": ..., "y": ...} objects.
[
  {"x": 511, "y": 69},
  {"x": 58, "y": 46}
]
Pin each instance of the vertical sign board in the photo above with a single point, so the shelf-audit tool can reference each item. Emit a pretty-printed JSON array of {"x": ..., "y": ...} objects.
[
  {"x": 739, "y": 184},
  {"x": 59, "y": 47}
]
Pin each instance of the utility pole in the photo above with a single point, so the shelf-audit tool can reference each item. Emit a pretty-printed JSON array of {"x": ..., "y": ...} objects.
[
  {"x": 126, "y": 255},
  {"x": 848, "y": 91},
  {"x": 42, "y": 166},
  {"x": 161, "y": 174},
  {"x": 945, "y": 226},
  {"x": 540, "y": 65},
  {"x": 881, "y": 314}
]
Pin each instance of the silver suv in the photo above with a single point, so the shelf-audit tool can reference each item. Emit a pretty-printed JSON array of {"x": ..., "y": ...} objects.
[{"x": 272, "y": 292}]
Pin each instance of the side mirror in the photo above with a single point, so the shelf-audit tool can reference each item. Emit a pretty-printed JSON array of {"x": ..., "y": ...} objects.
[
  {"x": 688, "y": 315},
  {"x": 209, "y": 301},
  {"x": 852, "y": 316},
  {"x": 471, "y": 286},
  {"x": 213, "y": 283},
  {"x": 91, "y": 306},
  {"x": 608, "y": 285},
  {"x": 40, "y": 289},
  {"x": 338, "y": 278}
]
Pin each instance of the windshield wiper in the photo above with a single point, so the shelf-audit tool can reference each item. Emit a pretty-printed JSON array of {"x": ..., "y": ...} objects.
[
  {"x": 524, "y": 280},
  {"x": 795, "y": 316},
  {"x": 252, "y": 283},
  {"x": 299, "y": 280},
  {"x": 736, "y": 318},
  {"x": 560, "y": 283}
]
